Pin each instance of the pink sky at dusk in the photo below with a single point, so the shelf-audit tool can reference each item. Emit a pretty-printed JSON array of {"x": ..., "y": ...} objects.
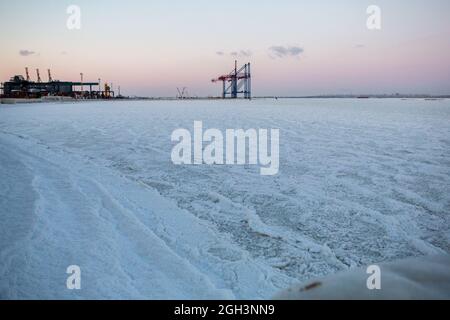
[{"x": 152, "y": 47}]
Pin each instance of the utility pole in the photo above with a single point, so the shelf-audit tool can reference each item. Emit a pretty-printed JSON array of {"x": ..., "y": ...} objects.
[
  {"x": 27, "y": 74},
  {"x": 49, "y": 76},
  {"x": 81, "y": 74},
  {"x": 38, "y": 76}
]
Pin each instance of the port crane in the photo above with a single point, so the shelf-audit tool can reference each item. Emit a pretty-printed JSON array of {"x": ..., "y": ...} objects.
[
  {"x": 236, "y": 82},
  {"x": 182, "y": 93},
  {"x": 38, "y": 76}
]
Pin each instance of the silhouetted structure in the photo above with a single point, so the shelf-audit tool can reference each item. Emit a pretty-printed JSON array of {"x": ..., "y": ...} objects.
[
  {"x": 238, "y": 80},
  {"x": 20, "y": 87}
]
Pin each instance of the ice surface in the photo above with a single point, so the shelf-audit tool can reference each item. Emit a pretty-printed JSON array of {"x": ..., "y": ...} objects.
[{"x": 92, "y": 184}]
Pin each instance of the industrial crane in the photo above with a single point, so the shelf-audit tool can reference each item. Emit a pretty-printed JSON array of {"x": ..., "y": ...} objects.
[
  {"x": 38, "y": 76},
  {"x": 27, "y": 74},
  {"x": 182, "y": 94},
  {"x": 237, "y": 79}
]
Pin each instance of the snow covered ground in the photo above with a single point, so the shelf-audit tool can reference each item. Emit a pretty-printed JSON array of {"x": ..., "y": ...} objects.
[{"x": 92, "y": 184}]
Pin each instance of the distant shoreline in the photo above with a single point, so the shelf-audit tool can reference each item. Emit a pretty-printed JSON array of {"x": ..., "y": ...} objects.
[{"x": 67, "y": 99}]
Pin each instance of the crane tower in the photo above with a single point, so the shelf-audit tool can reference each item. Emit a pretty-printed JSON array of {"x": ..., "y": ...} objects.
[{"x": 236, "y": 82}]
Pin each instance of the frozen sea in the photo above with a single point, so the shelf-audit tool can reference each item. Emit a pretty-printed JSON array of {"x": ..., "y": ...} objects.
[{"x": 92, "y": 184}]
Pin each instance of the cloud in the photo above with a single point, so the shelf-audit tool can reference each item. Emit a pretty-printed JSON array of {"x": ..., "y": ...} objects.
[
  {"x": 245, "y": 53},
  {"x": 26, "y": 53},
  {"x": 64, "y": 53},
  {"x": 240, "y": 54},
  {"x": 282, "y": 52},
  {"x": 360, "y": 46}
]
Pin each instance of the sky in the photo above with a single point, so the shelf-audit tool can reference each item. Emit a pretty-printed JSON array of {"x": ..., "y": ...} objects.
[{"x": 296, "y": 47}]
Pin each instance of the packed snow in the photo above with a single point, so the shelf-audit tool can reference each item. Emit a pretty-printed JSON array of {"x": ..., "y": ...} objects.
[
  {"x": 92, "y": 184},
  {"x": 409, "y": 279}
]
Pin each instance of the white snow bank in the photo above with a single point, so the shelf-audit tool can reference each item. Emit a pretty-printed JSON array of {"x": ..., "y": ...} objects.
[
  {"x": 59, "y": 209},
  {"x": 414, "y": 278}
]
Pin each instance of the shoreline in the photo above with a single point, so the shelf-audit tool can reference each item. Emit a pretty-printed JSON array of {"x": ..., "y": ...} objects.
[{"x": 9, "y": 101}]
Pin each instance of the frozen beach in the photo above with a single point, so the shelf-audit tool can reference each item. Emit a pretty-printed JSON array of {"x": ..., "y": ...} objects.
[{"x": 92, "y": 184}]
